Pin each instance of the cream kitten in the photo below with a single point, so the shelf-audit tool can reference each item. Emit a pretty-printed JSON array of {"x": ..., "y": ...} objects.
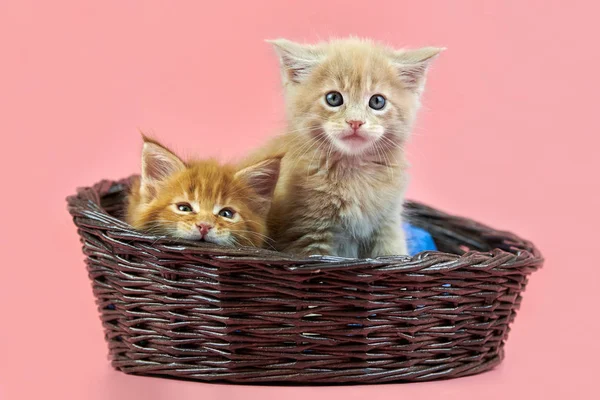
[{"x": 351, "y": 105}]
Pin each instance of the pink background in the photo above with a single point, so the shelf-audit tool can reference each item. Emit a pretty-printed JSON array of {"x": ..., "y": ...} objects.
[{"x": 508, "y": 135}]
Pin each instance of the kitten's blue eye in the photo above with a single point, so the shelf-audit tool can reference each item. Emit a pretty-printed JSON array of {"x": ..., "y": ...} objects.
[
  {"x": 334, "y": 99},
  {"x": 227, "y": 213},
  {"x": 377, "y": 102},
  {"x": 184, "y": 207}
]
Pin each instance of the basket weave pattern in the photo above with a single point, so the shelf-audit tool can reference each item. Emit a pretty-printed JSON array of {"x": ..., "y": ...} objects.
[{"x": 203, "y": 312}]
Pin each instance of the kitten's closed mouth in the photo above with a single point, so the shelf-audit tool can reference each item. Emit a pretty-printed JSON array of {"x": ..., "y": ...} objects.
[
  {"x": 354, "y": 137},
  {"x": 205, "y": 240}
]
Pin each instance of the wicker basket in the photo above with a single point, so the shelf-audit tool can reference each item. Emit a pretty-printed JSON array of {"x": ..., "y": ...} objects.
[{"x": 197, "y": 311}]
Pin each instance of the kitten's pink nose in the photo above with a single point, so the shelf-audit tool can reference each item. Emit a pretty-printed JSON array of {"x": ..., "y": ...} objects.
[
  {"x": 203, "y": 227},
  {"x": 355, "y": 124}
]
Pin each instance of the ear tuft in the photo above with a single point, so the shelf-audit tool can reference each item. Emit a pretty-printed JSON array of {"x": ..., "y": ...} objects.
[
  {"x": 262, "y": 177},
  {"x": 413, "y": 65},
  {"x": 297, "y": 60},
  {"x": 158, "y": 163}
]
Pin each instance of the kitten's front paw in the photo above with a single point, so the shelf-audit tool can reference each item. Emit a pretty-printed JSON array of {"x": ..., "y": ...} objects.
[
  {"x": 397, "y": 247},
  {"x": 310, "y": 250}
]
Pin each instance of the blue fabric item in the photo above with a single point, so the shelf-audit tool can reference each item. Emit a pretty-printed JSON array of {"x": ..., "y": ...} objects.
[{"x": 417, "y": 239}]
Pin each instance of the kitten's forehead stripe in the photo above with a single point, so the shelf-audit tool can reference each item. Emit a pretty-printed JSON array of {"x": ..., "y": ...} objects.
[
  {"x": 356, "y": 79},
  {"x": 345, "y": 82},
  {"x": 369, "y": 85},
  {"x": 191, "y": 189}
]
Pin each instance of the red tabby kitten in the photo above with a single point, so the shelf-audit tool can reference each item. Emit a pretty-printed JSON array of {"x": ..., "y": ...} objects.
[{"x": 202, "y": 200}]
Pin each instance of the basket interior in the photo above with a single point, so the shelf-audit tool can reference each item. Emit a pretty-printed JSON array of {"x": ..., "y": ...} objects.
[{"x": 452, "y": 235}]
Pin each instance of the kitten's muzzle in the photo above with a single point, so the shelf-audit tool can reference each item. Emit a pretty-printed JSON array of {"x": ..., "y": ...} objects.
[
  {"x": 204, "y": 227},
  {"x": 355, "y": 124}
]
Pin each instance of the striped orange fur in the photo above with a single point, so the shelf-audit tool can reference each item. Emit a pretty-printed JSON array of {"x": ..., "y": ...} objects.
[{"x": 202, "y": 199}]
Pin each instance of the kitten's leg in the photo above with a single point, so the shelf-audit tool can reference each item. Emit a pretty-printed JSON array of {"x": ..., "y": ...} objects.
[
  {"x": 346, "y": 246},
  {"x": 317, "y": 242},
  {"x": 390, "y": 239}
]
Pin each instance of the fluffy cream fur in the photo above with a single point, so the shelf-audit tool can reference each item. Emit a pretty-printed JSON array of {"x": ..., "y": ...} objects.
[{"x": 343, "y": 173}]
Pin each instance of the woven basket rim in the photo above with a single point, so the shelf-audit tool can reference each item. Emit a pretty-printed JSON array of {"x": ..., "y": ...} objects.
[{"x": 86, "y": 205}]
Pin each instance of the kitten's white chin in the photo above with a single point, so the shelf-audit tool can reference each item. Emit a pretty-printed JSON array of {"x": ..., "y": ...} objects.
[
  {"x": 210, "y": 238},
  {"x": 353, "y": 143}
]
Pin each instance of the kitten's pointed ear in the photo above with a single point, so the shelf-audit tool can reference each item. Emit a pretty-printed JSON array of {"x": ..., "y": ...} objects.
[
  {"x": 158, "y": 163},
  {"x": 297, "y": 60},
  {"x": 413, "y": 64},
  {"x": 262, "y": 177}
]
